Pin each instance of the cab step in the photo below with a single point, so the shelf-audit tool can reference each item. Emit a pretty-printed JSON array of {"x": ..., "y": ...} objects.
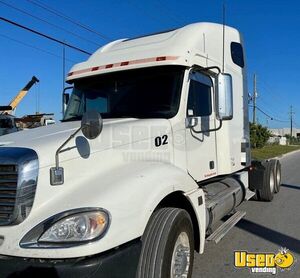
[
  {"x": 219, "y": 233},
  {"x": 249, "y": 194}
]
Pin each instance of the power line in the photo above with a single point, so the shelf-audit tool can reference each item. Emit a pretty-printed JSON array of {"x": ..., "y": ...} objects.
[
  {"x": 267, "y": 88},
  {"x": 270, "y": 91},
  {"x": 255, "y": 107},
  {"x": 167, "y": 9},
  {"x": 60, "y": 14},
  {"x": 47, "y": 22},
  {"x": 36, "y": 48},
  {"x": 272, "y": 118},
  {"x": 269, "y": 116},
  {"x": 266, "y": 106},
  {"x": 144, "y": 11},
  {"x": 44, "y": 35},
  {"x": 296, "y": 125},
  {"x": 166, "y": 12}
]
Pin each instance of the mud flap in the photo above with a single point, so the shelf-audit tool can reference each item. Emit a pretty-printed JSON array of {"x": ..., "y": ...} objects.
[{"x": 256, "y": 175}]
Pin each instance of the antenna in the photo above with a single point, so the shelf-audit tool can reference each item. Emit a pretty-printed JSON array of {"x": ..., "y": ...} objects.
[{"x": 224, "y": 13}]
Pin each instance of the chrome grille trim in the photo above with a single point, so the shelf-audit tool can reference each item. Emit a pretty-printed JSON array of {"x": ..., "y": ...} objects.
[
  {"x": 8, "y": 192},
  {"x": 18, "y": 181}
]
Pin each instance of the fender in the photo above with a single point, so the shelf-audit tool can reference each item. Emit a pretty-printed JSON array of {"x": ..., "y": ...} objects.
[
  {"x": 130, "y": 192},
  {"x": 197, "y": 200},
  {"x": 139, "y": 188}
]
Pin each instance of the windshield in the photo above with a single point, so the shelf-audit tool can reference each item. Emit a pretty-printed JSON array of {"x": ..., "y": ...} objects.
[
  {"x": 141, "y": 93},
  {"x": 6, "y": 123}
]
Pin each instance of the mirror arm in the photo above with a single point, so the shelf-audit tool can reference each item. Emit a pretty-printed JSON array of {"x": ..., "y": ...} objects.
[
  {"x": 67, "y": 88},
  {"x": 209, "y": 130},
  {"x": 65, "y": 143}
]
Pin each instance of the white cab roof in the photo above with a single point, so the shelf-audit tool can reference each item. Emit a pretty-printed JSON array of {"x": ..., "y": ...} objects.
[{"x": 178, "y": 47}]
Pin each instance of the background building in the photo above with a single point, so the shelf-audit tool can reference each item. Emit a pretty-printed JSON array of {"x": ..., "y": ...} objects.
[{"x": 284, "y": 131}]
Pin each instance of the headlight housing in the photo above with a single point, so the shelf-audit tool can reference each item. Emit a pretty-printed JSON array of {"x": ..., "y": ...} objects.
[
  {"x": 83, "y": 226},
  {"x": 69, "y": 228}
]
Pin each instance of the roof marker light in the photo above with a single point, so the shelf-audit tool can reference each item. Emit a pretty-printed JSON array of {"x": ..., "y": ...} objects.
[
  {"x": 162, "y": 58},
  {"x": 125, "y": 63}
]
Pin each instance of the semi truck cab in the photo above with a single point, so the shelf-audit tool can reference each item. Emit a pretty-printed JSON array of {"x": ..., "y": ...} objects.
[
  {"x": 7, "y": 124},
  {"x": 153, "y": 150}
]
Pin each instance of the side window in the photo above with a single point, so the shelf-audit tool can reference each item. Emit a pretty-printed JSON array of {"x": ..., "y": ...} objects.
[
  {"x": 237, "y": 54},
  {"x": 199, "y": 100}
]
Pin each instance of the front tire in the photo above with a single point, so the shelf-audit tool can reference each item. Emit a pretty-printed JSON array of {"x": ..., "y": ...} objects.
[{"x": 168, "y": 245}]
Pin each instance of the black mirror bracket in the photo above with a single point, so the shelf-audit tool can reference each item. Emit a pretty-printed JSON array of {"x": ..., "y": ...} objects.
[
  {"x": 91, "y": 126},
  {"x": 209, "y": 130},
  {"x": 57, "y": 173}
]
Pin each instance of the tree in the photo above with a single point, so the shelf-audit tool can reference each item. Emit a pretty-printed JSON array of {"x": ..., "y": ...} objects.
[{"x": 259, "y": 135}]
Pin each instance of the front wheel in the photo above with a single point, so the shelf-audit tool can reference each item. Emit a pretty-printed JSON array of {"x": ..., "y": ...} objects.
[{"x": 168, "y": 245}]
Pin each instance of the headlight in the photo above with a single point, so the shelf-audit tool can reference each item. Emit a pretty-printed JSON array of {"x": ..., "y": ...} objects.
[
  {"x": 77, "y": 228},
  {"x": 68, "y": 228}
]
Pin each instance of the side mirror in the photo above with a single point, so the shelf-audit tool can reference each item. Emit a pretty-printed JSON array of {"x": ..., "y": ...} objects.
[
  {"x": 91, "y": 124},
  {"x": 224, "y": 97},
  {"x": 91, "y": 127}
]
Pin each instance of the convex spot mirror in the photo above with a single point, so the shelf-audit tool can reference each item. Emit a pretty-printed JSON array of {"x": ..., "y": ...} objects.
[
  {"x": 91, "y": 124},
  {"x": 224, "y": 99}
]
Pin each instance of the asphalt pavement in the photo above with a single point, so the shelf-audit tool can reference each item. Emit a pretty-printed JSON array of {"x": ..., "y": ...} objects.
[{"x": 266, "y": 227}]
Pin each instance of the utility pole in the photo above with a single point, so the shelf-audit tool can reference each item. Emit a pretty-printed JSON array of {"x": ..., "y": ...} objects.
[
  {"x": 254, "y": 98},
  {"x": 291, "y": 113},
  {"x": 63, "y": 67}
]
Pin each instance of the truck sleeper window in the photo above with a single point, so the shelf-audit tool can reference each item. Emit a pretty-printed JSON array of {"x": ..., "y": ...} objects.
[{"x": 141, "y": 93}]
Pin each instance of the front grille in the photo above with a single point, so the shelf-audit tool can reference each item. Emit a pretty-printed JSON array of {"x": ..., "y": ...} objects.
[{"x": 8, "y": 192}]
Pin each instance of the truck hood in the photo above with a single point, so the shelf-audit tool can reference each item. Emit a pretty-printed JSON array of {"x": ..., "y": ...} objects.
[{"x": 116, "y": 133}]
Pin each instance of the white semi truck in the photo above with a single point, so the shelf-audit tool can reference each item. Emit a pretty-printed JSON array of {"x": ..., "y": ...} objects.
[{"x": 133, "y": 192}]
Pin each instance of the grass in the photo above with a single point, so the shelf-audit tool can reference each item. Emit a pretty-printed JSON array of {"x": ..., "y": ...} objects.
[{"x": 270, "y": 151}]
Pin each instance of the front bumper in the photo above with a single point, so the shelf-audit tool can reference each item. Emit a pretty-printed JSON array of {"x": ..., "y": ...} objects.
[{"x": 121, "y": 262}]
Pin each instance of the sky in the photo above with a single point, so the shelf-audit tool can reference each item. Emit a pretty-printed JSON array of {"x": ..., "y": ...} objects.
[{"x": 270, "y": 29}]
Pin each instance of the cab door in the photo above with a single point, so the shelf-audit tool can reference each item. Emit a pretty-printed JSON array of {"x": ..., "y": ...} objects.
[{"x": 200, "y": 123}]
